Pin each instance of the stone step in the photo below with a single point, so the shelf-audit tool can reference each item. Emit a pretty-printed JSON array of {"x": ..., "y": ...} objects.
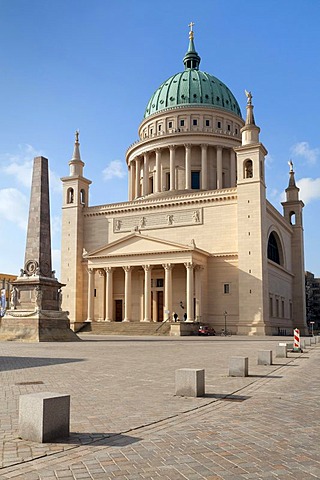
[{"x": 126, "y": 328}]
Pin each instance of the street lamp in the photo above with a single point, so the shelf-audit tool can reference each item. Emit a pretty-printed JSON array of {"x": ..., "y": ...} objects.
[
  {"x": 225, "y": 322},
  {"x": 311, "y": 323}
]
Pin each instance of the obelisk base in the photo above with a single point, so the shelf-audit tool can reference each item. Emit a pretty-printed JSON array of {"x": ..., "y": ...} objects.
[{"x": 36, "y": 326}]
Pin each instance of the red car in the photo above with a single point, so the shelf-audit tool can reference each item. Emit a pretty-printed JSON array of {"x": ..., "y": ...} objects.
[{"x": 205, "y": 330}]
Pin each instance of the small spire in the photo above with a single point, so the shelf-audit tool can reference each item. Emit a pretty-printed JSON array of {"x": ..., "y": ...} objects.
[
  {"x": 292, "y": 181},
  {"x": 191, "y": 59},
  {"x": 76, "y": 164},
  {"x": 76, "y": 150},
  {"x": 250, "y": 116}
]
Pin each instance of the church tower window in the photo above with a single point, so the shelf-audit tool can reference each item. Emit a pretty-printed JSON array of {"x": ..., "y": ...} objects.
[
  {"x": 70, "y": 195},
  {"x": 248, "y": 169}
]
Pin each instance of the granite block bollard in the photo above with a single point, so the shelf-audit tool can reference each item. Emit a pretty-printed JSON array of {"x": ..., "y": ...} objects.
[
  {"x": 302, "y": 343},
  {"x": 44, "y": 416},
  {"x": 189, "y": 382},
  {"x": 238, "y": 367},
  {"x": 307, "y": 341},
  {"x": 265, "y": 357},
  {"x": 313, "y": 340},
  {"x": 281, "y": 350}
]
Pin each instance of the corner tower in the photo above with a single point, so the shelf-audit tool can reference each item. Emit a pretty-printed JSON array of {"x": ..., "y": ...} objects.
[
  {"x": 252, "y": 235},
  {"x": 292, "y": 211},
  {"x": 75, "y": 200}
]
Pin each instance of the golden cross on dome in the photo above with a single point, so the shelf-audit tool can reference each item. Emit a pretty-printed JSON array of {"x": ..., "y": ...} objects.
[{"x": 191, "y": 34}]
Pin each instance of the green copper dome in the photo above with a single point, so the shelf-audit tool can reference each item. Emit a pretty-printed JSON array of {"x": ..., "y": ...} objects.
[{"x": 192, "y": 87}]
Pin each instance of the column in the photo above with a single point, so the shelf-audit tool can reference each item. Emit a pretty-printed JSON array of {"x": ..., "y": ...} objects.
[
  {"x": 102, "y": 301},
  {"x": 204, "y": 167},
  {"x": 138, "y": 171},
  {"x": 127, "y": 293},
  {"x": 167, "y": 290},
  {"x": 172, "y": 149},
  {"x": 145, "y": 189},
  {"x": 219, "y": 168},
  {"x": 109, "y": 294},
  {"x": 157, "y": 186},
  {"x": 132, "y": 178},
  {"x": 198, "y": 290},
  {"x": 233, "y": 173},
  {"x": 188, "y": 167},
  {"x": 147, "y": 293},
  {"x": 90, "y": 294},
  {"x": 189, "y": 266}
]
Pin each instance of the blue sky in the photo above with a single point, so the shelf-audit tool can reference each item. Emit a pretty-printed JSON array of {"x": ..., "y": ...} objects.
[{"x": 93, "y": 64}]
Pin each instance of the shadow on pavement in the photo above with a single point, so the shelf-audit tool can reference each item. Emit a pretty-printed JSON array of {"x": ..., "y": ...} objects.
[
  {"x": 230, "y": 398},
  {"x": 17, "y": 363},
  {"x": 99, "y": 439}
]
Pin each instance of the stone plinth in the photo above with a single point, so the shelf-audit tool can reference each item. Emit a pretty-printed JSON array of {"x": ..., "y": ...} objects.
[
  {"x": 307, "y": 341},
  {"x": 281, "y": 350},
  {"x": 180, "y": 329},
  {"x": 190, "y": 382},
  {"x": 42, "y": 326},
  {"x": 44, "y": 417},
  {"x": 238, "y": 367},
  {"x": 265, "y": 357}
]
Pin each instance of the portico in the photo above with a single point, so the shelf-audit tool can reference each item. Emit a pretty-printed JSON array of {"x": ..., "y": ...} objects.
[{"x": 131, "y": 290}]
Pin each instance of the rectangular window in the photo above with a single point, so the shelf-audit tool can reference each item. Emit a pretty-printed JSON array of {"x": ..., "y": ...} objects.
[
  {"x": 277, "y": 307},
  {"x": 170, "y": 125},
  {"x": 159, "y": 128},
  {"x": 226, "y": 288},
  {"x": 159, "y": 282},
  {"x": 207, "y": 123},
  {"x": 194, "y": 122},
  {"x": 219, "y": 124},
  {"x": 282, "y": 308},
  {"x": 229, "y": 128},
  {"x": 195, "y": 180},
  {"x": 181, "y": 123},
  {"x": 95, "y": 292},
  {"x": 271, "y": 307},
  {"x": 168, "y": 181}
]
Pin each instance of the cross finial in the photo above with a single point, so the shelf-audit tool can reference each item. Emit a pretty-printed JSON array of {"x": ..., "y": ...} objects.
[
  {"x": 77, "y": 136},
  {"x": 191, "y": 34}
]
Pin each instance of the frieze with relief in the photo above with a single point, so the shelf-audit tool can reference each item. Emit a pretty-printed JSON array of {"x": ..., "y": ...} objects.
[{"x": 139, "y": 223}]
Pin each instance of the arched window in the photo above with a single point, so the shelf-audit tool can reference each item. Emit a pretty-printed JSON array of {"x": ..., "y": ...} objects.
[
  {"x": 82, "y": 197},
  {"x": 274, "y": 249},
  {"x": 70, "y": 195},
  {"x": 248, "y": 169},
  {"x": 292, "y": 216}
]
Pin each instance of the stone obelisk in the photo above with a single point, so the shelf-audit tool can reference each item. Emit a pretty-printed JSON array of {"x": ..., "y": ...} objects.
[{"x": 35, "y": 313}]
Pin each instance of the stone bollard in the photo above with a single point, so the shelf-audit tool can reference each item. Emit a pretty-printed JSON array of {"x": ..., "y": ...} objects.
[
  {"x": 302, "y": 343},
  {"x": 281, "y": 350},
  {"x": 313, "y": 340},
  {"x": 44, "y": 416},
  {"x": 265, "y": 357},
  {"x": 238, "y": 367},
  {"x": 190, "y": 382},
  {"x": 307, "y": 341}
]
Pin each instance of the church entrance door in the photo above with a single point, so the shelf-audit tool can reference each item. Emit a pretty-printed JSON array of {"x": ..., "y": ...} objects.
[
  {"x": 118, "y": 310},
  {"x": 160, "y": 306}
]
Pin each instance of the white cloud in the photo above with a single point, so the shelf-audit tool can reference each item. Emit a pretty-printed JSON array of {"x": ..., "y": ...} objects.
[
  {"x": 56, "y": 224},
  {"x": 115, "y": 169},
  {"x": 302, "y": 149},
  {"x": 14, "y": 207},
  {"x": 309, "y": 189},
  {"x": 20, "y": 165}
]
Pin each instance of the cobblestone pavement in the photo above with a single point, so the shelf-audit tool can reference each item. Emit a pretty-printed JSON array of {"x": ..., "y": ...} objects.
[{"x": 126, "y": 422}]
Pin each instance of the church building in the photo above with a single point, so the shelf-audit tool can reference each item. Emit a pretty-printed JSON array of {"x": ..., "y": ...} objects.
[{"x": 197, "y": 238}]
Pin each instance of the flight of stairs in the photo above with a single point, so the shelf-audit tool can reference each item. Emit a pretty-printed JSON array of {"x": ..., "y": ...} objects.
[{"x": 126, "y": 328}]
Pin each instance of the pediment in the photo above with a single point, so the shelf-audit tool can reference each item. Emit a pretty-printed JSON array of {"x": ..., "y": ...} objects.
[{"x": 137, "y": 244}]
